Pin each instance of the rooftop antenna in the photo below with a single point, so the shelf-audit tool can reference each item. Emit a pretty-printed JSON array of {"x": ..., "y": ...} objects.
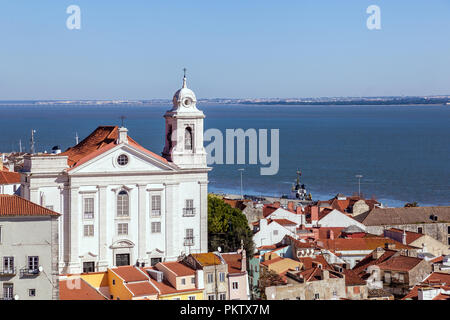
[
  {"x": 32, "y": 141},
  {"x": 20, "y": 145},
  {"x": 76, "y": 138},
  {"x": 122, "y": 118},
  {"x": 359, "y": 184}
]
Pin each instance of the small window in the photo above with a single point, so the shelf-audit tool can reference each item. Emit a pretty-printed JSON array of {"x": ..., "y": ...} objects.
[
  {"x": 49, "y": 207},
  {"x": 114, "y": 283},
  {"x": 88, "y": 267},
  {"x": 275, "y": 232},
  {"x": 316, "y": 296},
  {"x": 419, "y": 230},
  {"x": 154, "y": 261},
  {"x": 122, "y": 229},
  {"x": 32, "y": 292},
  {"x": 156, "y": 227},
  {"x": 211, "y": 297},
  {"x": 235, "y": 285},
  {"x": 222, "y": 296},
  {"x": 188, "y": 139},
  {"x": 222, "y": 276},
  {"x": 156, "y": 205},
  {"x": 183, "y": 281},
  {"x": 178, "y": 298},
  {"x": 210, "y": 278},
  {"x": 89, "y": 230},
  {"x": 88, "y": 206},
  {"x": 448, "y": 229},
  {"x": 33, "y": 263},
  {"x": 191, "y": 297},
  {"x": 448, "y": 241},
  {"x": 122, "y": 204},
  {"x": 122, "y": 160},
  {"x": 193, "y": 280}
]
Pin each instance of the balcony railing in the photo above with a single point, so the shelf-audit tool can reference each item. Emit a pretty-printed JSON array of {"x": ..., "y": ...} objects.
[
  {"x": 27, "y": 272},
  {"x": 188, "y": 241},
  {"x": 11, "y": 271},
  {"x": 188, "y": 212},
  {"x": 8, "y": 297}
]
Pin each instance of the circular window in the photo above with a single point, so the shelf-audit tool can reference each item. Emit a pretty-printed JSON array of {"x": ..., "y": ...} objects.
[{"x": 122, "y": 160}]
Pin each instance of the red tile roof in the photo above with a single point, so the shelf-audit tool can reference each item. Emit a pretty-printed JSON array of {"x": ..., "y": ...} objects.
[
  {"x": 206, "y": 259},
  {"x": 438, "y": 279},
  {"x": 12, "y": 205},
  {"x": 100, "y": 140},
  {"x": 141, "y": 288},
  {"x": 130, "y": 273},
  {"x": 234, "y": 262},
  {"x": 400, "y": 263},
  {"x": 73, "y": 291},
  {"x": 272, "y": 261},
  {"x": 410, "y": 236},
  {"x": 283, "y": 222},
  {"x": 309, "y": 262},
  {"x": 178, "y": 268},
  {"x": 368, "y": 261},
  {"x": 7, "y": 177},
  {"x": 352, "y": 278},
  {"x": 359, "y": 244}
]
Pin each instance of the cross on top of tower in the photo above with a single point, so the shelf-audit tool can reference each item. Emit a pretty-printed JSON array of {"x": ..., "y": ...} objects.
[
  {"x": 184, "y": 77},
  {"x": 122, "y": 118}
]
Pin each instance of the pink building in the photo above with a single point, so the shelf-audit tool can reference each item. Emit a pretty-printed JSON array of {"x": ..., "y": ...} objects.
[{"x": 238, "y": 285}]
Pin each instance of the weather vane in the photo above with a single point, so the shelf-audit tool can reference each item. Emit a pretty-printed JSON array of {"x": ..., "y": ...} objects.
[
  {"x": 122, "y": 118},
  {"x": 184, "y": 69}
]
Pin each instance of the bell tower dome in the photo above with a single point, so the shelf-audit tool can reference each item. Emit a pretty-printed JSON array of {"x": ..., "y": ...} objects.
[{"x": 184, "y": 130}]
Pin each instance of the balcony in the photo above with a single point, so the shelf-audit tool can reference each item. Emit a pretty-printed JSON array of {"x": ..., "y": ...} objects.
[
  {"x": 188, "y": 212},
  {"x": 11, "y": 271},
  {"x": 28, "y": 273},
  {"x": 188, "y": 241}
]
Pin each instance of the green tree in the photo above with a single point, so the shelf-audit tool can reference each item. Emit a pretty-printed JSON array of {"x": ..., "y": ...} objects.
[
  {"x": 268, "y": 278},
  {"x": 227, "y": 226}
]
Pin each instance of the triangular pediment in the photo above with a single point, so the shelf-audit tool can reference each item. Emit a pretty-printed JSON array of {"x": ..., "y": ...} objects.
[{"x": 122, "y": 158}]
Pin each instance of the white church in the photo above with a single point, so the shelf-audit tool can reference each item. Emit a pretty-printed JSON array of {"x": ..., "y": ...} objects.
[{"x": 122, "y": 204}]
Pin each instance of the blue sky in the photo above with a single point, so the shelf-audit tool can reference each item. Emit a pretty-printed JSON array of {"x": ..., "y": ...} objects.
[{"x": 236, "y": 49}]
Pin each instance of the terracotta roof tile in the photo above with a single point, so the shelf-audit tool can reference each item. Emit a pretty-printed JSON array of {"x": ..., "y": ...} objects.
[
  {"x": 12, "y": 205},
  {"x": 352, "y": 278},
  {"x": 400, "y": 263},
  {"x": 206, "y": 259},
  {"x": 100, "y": 140},
  {"x": 7, "y": 177},
  {"x": 178, "y": 268},
  {"x": 410, "y": 236},
  {"x": 234, "y": 262},
  {"x": 83, "y": 292},
  {"x": 141, "y": 288},
  {"x": 129, "y": 273},
  {"x": 399, "y": 216}
]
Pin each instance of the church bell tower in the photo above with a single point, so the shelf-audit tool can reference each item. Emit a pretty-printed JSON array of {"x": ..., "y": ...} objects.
[{"x": 184, "y": 131}]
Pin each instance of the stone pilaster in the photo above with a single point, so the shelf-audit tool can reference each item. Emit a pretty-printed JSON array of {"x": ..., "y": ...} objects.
[
  {"x": 102, "y": 229},
  {"x": 203, "y": 216},
  {"x": 74, "y": 263},
  {"x": 173, "y": 240},
  {"x": 142, "y": 223}
]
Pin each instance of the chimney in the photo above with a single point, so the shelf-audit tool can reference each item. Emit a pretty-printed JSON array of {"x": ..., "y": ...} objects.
[
  {"x": 123, "y": 135},
  {"x": 389, "y": 245},
  {"x": 276, "y": 204},
  {"x": 299, "y": 210},
  {"x": 290, "y": 206},
  {"x": 377, "y": 253},
  {"x": 404, "y": 237},
  {"x": 314, "y": 214},
  {"x": 325, "y": 275}
]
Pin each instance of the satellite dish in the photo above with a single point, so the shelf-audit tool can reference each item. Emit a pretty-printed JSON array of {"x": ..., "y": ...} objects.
[
  {"x": 219, "y": 249},
  {"x": 41, "y": 269},
  {"x": 16, "y": 297}
]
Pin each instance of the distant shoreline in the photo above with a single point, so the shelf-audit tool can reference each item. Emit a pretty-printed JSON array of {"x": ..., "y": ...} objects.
[{"x": 369, "y": 101}]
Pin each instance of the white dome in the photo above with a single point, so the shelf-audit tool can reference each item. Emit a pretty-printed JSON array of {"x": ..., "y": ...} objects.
[{"x": 184, "y": 94}]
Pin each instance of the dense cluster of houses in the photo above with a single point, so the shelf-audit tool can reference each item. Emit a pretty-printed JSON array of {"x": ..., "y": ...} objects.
[{"x": 348, "y": 248}]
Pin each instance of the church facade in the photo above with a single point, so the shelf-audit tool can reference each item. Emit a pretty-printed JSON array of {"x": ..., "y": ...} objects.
[{"x": 122, "y": 204}]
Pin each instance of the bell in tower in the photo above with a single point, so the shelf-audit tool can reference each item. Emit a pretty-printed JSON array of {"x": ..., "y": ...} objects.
[{"x": 184, "y": 130}]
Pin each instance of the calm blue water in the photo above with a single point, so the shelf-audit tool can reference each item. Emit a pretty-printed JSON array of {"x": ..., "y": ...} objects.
[{"x": 403, "y": 152}]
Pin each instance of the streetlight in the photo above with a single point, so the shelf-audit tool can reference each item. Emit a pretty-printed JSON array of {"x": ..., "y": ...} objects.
[
  {"x": 241, "y": 170},
  {"x": 359, "y": 184}
]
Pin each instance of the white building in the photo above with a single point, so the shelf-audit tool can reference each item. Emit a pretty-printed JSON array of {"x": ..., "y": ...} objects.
[{"x": 122, "y": 204}]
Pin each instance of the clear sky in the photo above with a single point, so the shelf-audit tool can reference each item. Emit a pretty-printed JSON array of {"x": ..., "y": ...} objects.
[{"x": 232, "y": 49}]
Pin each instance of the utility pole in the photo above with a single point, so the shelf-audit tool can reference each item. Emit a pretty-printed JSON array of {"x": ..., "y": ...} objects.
[
  {"x": 242, "y": 196},
  {"x": 359, "y": 184},
  {"x": 76, "y": 138}
]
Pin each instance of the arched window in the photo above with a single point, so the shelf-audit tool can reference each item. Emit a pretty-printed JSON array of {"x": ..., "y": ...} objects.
[
  {"x": 188, "y": 139},
  {"x": 122, "y": 204}
]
